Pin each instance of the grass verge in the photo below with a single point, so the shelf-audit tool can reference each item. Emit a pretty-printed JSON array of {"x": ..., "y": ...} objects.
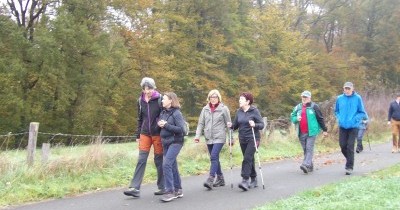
[{"x": 378, "y": 190}]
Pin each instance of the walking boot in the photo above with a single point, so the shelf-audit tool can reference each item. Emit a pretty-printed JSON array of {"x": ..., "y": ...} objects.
[
  {"x": 244, "y": 185},
  {"x": 219, "y": 181},
  {"x": 304, "y": 168},
  {"x": 359, "y": 148},
  {"x": 209, "y": 183},
  {"x": 253, "y": 182}
]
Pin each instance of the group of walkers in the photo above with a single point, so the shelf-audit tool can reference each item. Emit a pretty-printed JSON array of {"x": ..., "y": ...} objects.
[{"x": 161, "y": 125}]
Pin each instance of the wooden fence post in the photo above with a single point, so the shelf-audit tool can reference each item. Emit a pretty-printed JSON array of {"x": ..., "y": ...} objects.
[
  {"x": 45, "y": 152},
  {"x": 33, "y": 133}
]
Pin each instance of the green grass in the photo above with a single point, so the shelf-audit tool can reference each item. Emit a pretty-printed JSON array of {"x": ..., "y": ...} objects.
[
  {"x": 378, "y": 190},
  {"x": 74, "y": 170}
]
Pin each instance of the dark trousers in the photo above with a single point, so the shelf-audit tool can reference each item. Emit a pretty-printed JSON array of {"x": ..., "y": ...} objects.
[
  {"x": 248, "y": 167},
  {"x": 347, "y": 138}
]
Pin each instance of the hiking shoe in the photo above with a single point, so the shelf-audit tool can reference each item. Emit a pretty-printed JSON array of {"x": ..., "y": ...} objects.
[
  {"x": 310, "y": 169},
  {"x": 244, "y": 185},
  {"x": 159, "y": 192},
  {"x": 349, "y": 171},
  {"x": 132, "y": 192},
  {"x": 304, "y": 169},
  {"x": 179, "y": 193},
  {"x": 359, "y": 148},
  {"x": 253, "y": 182},
  {"x": 209, "y": 183},
  {"x": 167, "y": 197},
  {"x": 219, "y": 181}
]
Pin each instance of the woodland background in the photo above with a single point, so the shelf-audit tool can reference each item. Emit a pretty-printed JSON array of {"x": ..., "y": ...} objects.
[{"x": 75, "y": 66}]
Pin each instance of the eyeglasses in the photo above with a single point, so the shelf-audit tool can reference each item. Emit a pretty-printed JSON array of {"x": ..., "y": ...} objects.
[{"x": 213, "y": 96}]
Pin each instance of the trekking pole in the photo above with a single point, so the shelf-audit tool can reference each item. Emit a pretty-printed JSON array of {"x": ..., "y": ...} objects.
[
  {"x": 258, "y": 157},
  {"x": 369, "y": 143},
  {"x": 230, "y": 155}
]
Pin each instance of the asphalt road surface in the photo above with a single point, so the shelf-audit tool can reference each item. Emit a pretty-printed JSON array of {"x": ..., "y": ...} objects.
[{"x": 282, "y": 179}]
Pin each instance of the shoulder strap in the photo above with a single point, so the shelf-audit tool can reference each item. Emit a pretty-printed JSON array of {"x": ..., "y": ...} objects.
[
  {"x": 312, "y": 105},
  {"x": 140, "y": 104},
  {"x": 160, "y": 101}
]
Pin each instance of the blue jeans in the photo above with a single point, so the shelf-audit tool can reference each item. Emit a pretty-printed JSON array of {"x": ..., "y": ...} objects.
[
  {"x": 170, "y": 167},
  {"x": 360, "y": 136},
  {"x": 214, "y": 150},
  {"x": 307, "y": 142}
]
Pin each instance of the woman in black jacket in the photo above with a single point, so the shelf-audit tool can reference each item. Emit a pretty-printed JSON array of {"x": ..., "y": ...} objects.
[
  {"x": 172, "y": 132},
  {"x": 247, "y": 118}
]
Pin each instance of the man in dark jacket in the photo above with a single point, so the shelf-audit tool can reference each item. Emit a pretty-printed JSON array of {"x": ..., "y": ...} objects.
[
  {"x": 394, "y": 120},
  {"x": 148, "y": 134}
]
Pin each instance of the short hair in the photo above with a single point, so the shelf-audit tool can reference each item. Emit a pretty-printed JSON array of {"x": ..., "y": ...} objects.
[
  {"x": 174, "y": 98},
  {"x": 148, "y": 82},
  {"x": 212, "y": 92},
  {"x": 248, "y": 97}
]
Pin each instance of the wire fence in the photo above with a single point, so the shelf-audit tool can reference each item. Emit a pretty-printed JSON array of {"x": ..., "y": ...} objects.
[{"x": 19, "y": 140}]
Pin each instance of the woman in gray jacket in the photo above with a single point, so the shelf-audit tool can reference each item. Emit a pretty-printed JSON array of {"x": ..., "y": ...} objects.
[{"x": 213, "y": 121}]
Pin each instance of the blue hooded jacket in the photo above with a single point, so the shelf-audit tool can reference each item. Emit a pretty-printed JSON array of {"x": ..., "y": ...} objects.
[{"x": 349, "y": 110}]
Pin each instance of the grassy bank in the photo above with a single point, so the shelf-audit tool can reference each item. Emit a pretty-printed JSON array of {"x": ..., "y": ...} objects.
[
  {"x": 378, "y": 190},
  {"x": 74, "y": 170}
]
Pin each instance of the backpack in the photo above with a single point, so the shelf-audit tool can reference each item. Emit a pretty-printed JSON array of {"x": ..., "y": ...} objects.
[
  {"x": 298, "y": 108},
  {"x": 140, "y": 104}
]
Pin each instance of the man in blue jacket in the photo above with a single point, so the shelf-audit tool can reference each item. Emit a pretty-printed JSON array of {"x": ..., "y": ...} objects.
[{"x": 349, "y": 114}]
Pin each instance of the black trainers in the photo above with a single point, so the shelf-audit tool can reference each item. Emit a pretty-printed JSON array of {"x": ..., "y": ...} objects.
[
  {"x": 219, "y": 181},
  {"x": 179, "y": 193},
  {"x": 159, "y": 192},
  {"x": 167, "y": 197},
  {"x": 304, "y": 169},
  {"x": 253, "y": 182},
  {"x": 349, "y": 171},
  {"x": 244, "y": 185},
  {"x": 209, "y": 183},
  {"x": 132, "y": 192}
]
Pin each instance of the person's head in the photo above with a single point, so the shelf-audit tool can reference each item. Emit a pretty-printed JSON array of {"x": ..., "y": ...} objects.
[
  {"x": 148, "y": 86},
  {"x": 245, "y": 99},
  {"x": 214, "y": 97},
  {"x": 348, "y": 88},
  {"x": 306, "y": 97},
  {"x": 398, "y": 96},
  {"x": 170, "y": 99}
]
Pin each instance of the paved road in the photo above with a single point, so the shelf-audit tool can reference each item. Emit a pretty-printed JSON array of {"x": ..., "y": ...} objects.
[{"x": 282, "y": 179}]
